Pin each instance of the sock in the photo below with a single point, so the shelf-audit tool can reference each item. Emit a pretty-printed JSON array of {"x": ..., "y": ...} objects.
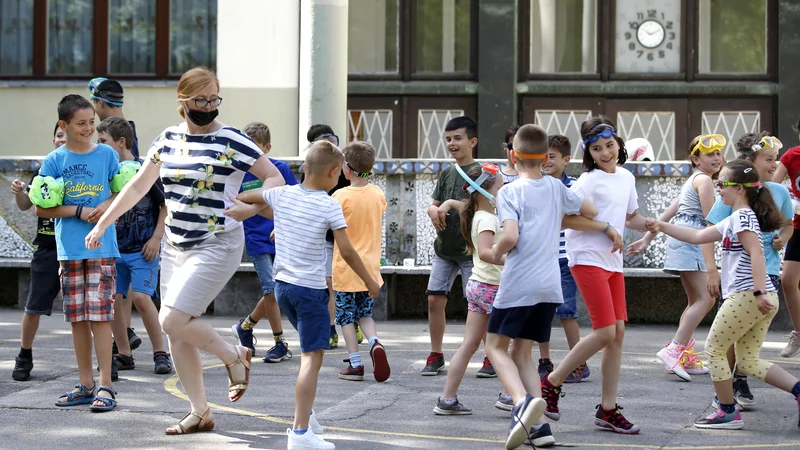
[
  {"x": 277, "y": 336},
  {"x": 333, "y": 329},
  {"x": 796, "y": 389},
  {"x": 738, "y": 375},
  {"x": 677, "y": 344},
  {"x": 728, "y": 409},
  {"x": 796, "y": 332},
  {"x": 538, "y": 427},
  {"x": 355, "y": 360},
  {"x": 26, "y": 353},
  {"x": 300, "y": 432},
  {"x": 544, "y": 360},
  {"x": 248, "y": 323},
  {"x": 449, "y": 401},
  {"x": 372, "y": 340}
]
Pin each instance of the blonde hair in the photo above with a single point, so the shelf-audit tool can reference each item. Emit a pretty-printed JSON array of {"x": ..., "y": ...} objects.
[
  {"x": 322, "y": 156},
  {"x": 360, "y": 155},
  {"x": 192, "y": 83},
  {"x": 259, "y": 133}
]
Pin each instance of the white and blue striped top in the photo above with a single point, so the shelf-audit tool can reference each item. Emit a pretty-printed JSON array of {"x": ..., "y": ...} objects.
[
  {"x": 200, "y": 173},
  {"x": 562, "y": 244},
  {"x": 737, "y": 270},
  {"x": 302, "y": 218}
]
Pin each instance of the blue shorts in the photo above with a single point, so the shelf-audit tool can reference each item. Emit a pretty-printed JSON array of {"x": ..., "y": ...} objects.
[
  {"x": 352, "y": 306},
  {"x": 524, "y": 322},
  {"x": 307, "y": 310},
  {"x": 134, "y": 272},
  {"x": 263, "y": 265},
  {"x": 569, "y": 290}
]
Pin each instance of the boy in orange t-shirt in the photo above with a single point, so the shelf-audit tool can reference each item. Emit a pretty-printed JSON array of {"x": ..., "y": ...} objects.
[{"x": 363, "y": 205}]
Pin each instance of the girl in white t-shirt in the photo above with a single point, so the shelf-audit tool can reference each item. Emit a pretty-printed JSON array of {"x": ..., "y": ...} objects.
[
  {"x": 750, "y": 298},
  {"x": 481, "y": 229},
  {"x": 597, "y": 270}
]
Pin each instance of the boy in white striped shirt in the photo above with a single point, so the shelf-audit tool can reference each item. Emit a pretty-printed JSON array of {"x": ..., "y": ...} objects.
[{"x": 303, "y": 214}]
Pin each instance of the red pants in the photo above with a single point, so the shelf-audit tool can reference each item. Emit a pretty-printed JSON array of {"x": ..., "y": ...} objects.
[{"x": 604, "y": 294}]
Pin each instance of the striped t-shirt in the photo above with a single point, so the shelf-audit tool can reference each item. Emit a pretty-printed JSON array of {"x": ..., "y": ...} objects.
[
  {"x": 200, "y": 173},
  {"x": 302, "y": 218},
  {"x": 562, "y": 244},
  {"x": 737, "y": 270}
]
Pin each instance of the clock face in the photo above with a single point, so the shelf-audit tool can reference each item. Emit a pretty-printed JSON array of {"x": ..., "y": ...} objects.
[{"x": 648, "y": 36}]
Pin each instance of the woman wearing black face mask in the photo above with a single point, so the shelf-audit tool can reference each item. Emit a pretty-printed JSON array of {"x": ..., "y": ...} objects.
[{"x": 201, "y": 163}]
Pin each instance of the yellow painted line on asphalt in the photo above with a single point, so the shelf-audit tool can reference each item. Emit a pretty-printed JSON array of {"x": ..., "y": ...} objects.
[{"x": 171, "y": 386}]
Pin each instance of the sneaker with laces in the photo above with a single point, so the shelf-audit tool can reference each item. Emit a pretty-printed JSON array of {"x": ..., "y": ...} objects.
[
  {"x": 741, "y": 392},
  {"x": 793, "y": 346},
  {"x": 451, "y": 409},
  {"x": 351, "y": 373},
  {"x": 307, "y": 440},
  {"x": 523, "y": 416},
  {"x": 359, "y": 333},
  {"x": 313, "y": 425},
  {"x": 22, "y": 368},
  {"x": 124, "y": 362},
  {"x": 671, "y": 357},
  {"x": 280, "y": 352},
  {"x": 134, "y": 340},
  {"x": 542, "y": 437},
  {"x": 487, "y": 371},
  {"x": 551, "y": 394},
  {"x": 162, "y": 363},
  {"x": 691, "y": 362},
  {"x": 504, "y": 402},
  {"x": 334, "y": 342},
  {"x": 380, "y": 364},
  {"x": 721, "y": 421},
  {"x": 433, "y": 365},
  {"x": 244, "y": 336},
  {"x": 545, "y": 367},
  {"x": 614, "y": 420},
  {"x": 577, "y": 375}
]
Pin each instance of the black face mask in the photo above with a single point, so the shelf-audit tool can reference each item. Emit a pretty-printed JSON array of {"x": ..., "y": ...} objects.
[{"x": 202, "y": 118}]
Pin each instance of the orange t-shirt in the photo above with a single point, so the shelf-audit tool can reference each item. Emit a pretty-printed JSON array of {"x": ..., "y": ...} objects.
[{"x": 363, "y": 209}]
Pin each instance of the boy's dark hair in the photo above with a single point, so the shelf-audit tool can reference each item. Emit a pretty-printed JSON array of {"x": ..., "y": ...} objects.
[
  {"x": 318, "y": 130},
  {"x": 745, "y": 143},
  {"x": 259, "y": 133},
  {"x": 759, "y": 198},
  {"x": 532, "y": 140},
  {"x": 360, "y": 155},
  {"x": 322, "y": 156},
  {"x": 589, "y": 128},
  {"x": 511, "y": 132},
  {"x": 55, "y": 130},
  {"x": 560, "y": 143},
  {"x": 117, "y": 127},
  {"x": 464, "y": 122},
  {"x": 70, "y": 104}
]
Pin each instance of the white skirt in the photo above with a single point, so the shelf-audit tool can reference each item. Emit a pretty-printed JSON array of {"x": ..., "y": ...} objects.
[{"x": 191, "y": 279}]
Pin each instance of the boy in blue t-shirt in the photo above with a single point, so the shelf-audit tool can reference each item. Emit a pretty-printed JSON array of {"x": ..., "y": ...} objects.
[
  {"x": 87, "y": 276},
  {"x": 261, "y": 249},
  {"x": 139, "y": 233}
]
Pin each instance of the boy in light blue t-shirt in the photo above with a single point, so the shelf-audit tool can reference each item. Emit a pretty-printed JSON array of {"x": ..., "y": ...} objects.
[{"x": 87, "y": 276}]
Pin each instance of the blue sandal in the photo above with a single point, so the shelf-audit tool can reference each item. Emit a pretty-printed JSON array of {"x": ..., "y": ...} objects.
[
  {"x": 109, "y": 403},
  {"x": 81, "y": 395}
]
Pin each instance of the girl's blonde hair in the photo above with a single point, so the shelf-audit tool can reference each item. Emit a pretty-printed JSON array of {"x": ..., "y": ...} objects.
[{"x": 192, "y": 83}]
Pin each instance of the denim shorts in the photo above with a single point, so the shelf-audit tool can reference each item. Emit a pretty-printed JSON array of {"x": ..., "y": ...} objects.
[
  {"x": 263, "y": 264},
  {"x": 352, "y": 306},
  {"x": 328, "y": 259},
  {"x": 307, "y": 310},
  {"x": 569, "y": 290},
  {"x": 683, "y": 257},
  {"x": 444, "y": 273},
  {"x": 134, "y": 272}
]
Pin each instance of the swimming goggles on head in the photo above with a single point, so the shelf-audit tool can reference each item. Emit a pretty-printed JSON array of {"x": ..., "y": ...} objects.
[
  {"x": 604, "y": 131},
  {"x": 710, "y": 143},
  {"x": 358, "y": 174},
  {"x": 332, "y": 138},
  {"x": 724, "y": 183},
  {"x": 488, "y": 171},
  {"x": 112, "y": 98},
  {"x": 770, "y": 142}
]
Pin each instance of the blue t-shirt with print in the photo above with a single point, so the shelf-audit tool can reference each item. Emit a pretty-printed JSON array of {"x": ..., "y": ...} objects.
[
  {"x": 86, "y": 182},
  {"x": 138, "y": 224},
  {"x": 258, "y": 228},
  {"x": 780, "y": 194}
]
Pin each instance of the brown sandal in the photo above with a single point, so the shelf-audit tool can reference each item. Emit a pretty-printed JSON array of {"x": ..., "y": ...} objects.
[
  {"x": 203, "y": 425},
  {"x": 238, "y": 387}
]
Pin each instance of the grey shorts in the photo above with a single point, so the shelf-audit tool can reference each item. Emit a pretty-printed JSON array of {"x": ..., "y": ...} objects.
[
  {"x": 444, "y": 273},
  {"x": 328, "y": 259}
]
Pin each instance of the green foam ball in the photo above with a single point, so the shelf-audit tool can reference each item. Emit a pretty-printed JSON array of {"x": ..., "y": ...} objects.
[{"x": 47, "y": 192}]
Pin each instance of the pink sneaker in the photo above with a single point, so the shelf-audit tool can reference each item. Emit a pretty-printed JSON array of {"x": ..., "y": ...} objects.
[
  {"x": 671, "y": 357},
  {"x": 691, "y": 362}
]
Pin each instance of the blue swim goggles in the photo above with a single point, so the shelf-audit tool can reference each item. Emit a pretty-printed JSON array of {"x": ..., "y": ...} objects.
[
  {"x": 488, "y": 171},
  {"x": 606, "y": 131}
]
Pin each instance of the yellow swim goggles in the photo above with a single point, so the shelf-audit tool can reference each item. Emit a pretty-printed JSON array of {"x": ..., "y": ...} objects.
[
  {"x": 710, "y": 143},
  {"x": 770, "y": 142}
]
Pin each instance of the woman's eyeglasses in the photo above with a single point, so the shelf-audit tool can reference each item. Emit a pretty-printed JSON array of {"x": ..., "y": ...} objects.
[{"x": 205, "y": 102}]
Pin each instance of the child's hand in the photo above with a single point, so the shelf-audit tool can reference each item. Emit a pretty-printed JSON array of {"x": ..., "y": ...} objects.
[
  {"x": 374, "y": 289},
  {"x": 272, "y": 235},
  {"x": 87, "y": 213},
  {"x": 763, "y": 305},
  {"x": 616, "y": 239},
  {"x": 777, "y": 242},
  {"x": 151, "y": 249},
  {"x": 18, "y": 186},
  {"x": 438, "y": 219},
  {"x": 98, "y": 212},
  {"x": 241, "y": 211},
  {"x": 93, "y": 238},
  {"x": 653, "y": 226},
  {"x": 637, "y": 247}
]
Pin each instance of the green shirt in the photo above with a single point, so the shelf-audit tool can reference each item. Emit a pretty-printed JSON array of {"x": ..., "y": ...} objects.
[{"x": 449, "y": 244}]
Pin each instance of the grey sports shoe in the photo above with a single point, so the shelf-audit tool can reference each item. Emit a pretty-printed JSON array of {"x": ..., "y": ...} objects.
[
  {"x": 451, "y": 409},
  {"x": 504, "y": 402}
]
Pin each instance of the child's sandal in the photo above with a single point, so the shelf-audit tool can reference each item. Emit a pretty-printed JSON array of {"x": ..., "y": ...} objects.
[
  {"x": 81, "y": 395},
  {"x": 237, "y": 388},
  {"x": 203, "y": 425},
  {"x": 109, "y": 403}
]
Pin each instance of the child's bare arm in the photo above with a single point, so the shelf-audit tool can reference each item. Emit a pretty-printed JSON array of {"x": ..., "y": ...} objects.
[
  {"x": 588, "y": 209},
  {"x": 485, "y": 241},
  {"x": 507, "y": 241},
  {"x": 353, "y": 260}
]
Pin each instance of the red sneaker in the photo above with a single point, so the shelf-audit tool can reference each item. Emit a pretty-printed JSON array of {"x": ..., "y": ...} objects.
[
  {"x": 551, "y": 394},
  {"x": 614, "y": 420},
  {"x": 352, "y": 373},
  {"x": 380, "y": 364}
]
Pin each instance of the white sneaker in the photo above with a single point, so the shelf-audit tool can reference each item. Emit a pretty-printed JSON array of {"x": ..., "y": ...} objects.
[
  {"x": 671, "y": 357},
  {"x": 309, "y": 440},
  {"x": 793, "y": 347},
  {"x": 313, "y": 425}
]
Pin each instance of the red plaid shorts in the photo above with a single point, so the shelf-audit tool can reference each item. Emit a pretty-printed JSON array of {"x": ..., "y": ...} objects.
[{"x": 88, "y": 287}]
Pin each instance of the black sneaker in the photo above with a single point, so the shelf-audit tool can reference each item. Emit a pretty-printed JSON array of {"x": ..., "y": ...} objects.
[
  {"x": 545, "y": 367},
  {"x": 741, "y": 392},
  {"x": 523, "y": 416},
  {"x": 542, "y": 437},
  {"x": 22, "y": 368},
  {"x": 487, "y": 371},
  {"x": 451, "y": 409},
  {"x": 163, "y": 363},
  {"x": 114, "y": 370},
  {"x": 124, "y": 362},
  {"x": 133, "y": 339},
  {"x": 434, "y": 364}
]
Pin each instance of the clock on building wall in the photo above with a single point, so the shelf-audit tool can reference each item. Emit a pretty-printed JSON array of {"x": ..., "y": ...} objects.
[{"x": 648, "y": 36}]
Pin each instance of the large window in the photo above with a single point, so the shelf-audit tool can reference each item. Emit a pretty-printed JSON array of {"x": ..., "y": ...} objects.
[
  {"x": 443, "y": 35},
  {"x": 372, "y": 35},
  {"x": 732, "y": 36},
  {"x": 81, "y": 38},
  {"x": 563, "y": 36}
]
